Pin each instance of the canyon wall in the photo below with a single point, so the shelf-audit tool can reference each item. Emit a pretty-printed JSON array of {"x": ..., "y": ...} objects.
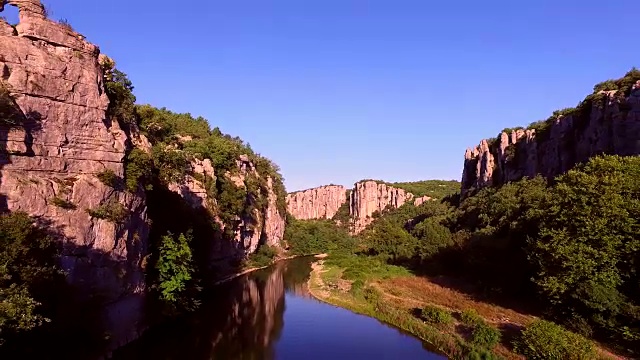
[
  {"x": 371, "y": 196},
  {"x": 366, "y": 198},
  {"x": 54, "y": 138},
  {"x": 318, "y": 203},
  {"x": 250, "y": 229},
  {"x": 606, "y": 122}
]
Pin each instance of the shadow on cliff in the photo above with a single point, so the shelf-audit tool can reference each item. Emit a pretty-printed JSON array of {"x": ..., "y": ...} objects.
[
  {"x": 13, "y": 118},
  {"x": 74, "y": 303},
  {"x": 170, "y": 213}
]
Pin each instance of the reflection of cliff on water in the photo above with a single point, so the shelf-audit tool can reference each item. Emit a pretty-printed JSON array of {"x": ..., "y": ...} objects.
[{"x": 242, "y": 320}]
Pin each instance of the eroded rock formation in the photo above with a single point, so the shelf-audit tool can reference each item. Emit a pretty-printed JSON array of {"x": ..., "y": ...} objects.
[
  {"x": 608, "y": 124},
  {"x": 366, "y": 198},
  {"x": 421, "y": 200},
  {"x": 371, "y": 196},
  {"x": 53, "y": 143},
  {"x": 318, "y": 203}
]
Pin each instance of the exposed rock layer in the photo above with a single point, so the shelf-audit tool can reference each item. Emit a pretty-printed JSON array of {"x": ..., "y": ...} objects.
[
  {"x": 366, "y": 198},
  {"x": 261, "y": 226},
  {"x": 318, "y": 203},
  {"x": 611, "y": 126},
  {"x": 369, "y": 197},
  {"x": 54, "y": 143}
]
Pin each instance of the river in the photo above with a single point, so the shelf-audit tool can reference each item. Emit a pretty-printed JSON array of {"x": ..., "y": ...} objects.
[{"x": 269, "y": 314}]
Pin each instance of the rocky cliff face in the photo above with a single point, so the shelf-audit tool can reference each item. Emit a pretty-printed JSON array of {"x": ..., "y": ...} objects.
[
  {"x": 261, "y": 225},
  {"x": 369, "y": 197},
  {"x": 607, "y": 122},
  {"x": 366, "y": 198},
  {"x": 319, "y": 203},
  {"x": 54, "y": 139}
]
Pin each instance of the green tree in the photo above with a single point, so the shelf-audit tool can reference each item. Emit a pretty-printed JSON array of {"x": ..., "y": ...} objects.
[
  {"x": 589, "y": 244},
  {"x": 175, "y": 272},
  {"x": 28, "y": 274},
  {"x": 388, "y": 239}
]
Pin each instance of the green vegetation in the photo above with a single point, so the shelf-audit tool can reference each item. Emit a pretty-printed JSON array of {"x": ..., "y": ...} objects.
[
  {"x": 436, "y": 315},
  {"x": 139, "y": 170},
  {"x": 63, "y": 204},
  {"x": 265, "y": 256},
  {"x": 176, "y": 282},
  {"x": 565, "y": 249},
  {"x": 437, "y": 189},
  {"x": 111, "y": 210},
  {"x": 546, "y": 340},
  {"x": 316, "y": 237},
  {"x": 28, "y": 274},
  {"x": 470, "y": 317},
  {"x": 108, "y": 177},
  {"x": 365, "y": 298},
  {"x": 485, "y": 336}
]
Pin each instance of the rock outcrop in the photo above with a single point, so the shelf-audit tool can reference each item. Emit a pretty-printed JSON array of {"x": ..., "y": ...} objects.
[
  {"x": 366, "y": 198},
  {"x": 318, "y": 203},
  {"x": 421, "y": 200},
  {"x": 262, "y": 225},
  {"x": 607, "y": 122},
  {"x": 369, "y": 197},
  {"x": 55, "y": 138}
]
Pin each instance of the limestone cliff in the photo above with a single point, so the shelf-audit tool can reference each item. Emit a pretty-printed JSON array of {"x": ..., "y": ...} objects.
[
  {"x": 371, "y": 196},
  {"x": 318, "y": 203},
  {"x": 606, "y": 122},
  {"x": 366, "y": 198},
  {"x": 58, "y": 137},
  {"x": 55, "y": 138},
  {"x": 262, "y": 224}
]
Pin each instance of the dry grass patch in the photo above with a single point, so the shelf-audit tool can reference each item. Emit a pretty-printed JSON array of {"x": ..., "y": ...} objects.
[{"x": 422, "y": 290}]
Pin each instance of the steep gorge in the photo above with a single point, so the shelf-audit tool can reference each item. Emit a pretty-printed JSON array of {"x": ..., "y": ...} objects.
[
  {"x": 58, "y": 141},
  {"x": 606, "y": 122}
]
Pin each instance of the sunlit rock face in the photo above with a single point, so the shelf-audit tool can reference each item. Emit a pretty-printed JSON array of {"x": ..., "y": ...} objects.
[
  {"x": 55, "y": 138},
  {"x": 610, "y": 126}
]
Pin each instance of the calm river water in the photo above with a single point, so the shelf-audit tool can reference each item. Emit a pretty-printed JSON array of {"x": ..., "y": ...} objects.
[{"x": 269, "y": 314}]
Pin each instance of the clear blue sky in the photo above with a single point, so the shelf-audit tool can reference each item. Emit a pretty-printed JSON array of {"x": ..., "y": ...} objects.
[{"x": 339, "y": 90}]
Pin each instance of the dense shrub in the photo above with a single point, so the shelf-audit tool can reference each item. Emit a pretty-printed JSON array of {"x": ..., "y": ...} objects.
[
  {"x": 28, "y": 275},
  {"x": 470, "y": 317},
  {"x": 316, "y": 237},
  {"x": 546, "y": 340},
  {"x": 139, "y": 170},
  {"x": 485, "y": 336},
  {"x": 112, "y": 211},
  {"x": 436, "y": 315},
  {"x": 108, "y": 177},
  {"x": 264, "y": 256}
]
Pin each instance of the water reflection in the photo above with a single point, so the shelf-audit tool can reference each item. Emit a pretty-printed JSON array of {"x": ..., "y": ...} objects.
[
  {"x": 245, "y": 319},
  {"x": 242, "y": 320}
]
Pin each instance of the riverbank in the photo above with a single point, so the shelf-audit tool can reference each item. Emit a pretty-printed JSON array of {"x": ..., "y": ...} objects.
[
  {"x": 255, "y": 268},
  {"x": 396, "y": 297}
]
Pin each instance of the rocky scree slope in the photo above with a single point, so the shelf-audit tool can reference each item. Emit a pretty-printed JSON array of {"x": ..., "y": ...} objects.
[{"x": 605, "y": 122}]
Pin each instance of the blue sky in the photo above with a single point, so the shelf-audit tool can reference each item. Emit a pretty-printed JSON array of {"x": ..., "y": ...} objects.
[{"x": 339, "y": 90}]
